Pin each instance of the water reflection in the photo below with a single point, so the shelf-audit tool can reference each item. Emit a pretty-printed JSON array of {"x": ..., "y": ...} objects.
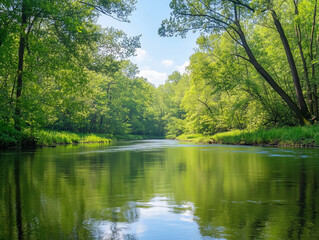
[
  {"x": 159, "y": 190},
  {"x": 18, "y": 198}
]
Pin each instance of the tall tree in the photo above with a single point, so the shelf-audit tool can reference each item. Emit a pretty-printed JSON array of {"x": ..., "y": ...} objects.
[
  {"x": 230, "y": 16},
  {"x": 72, "y": 22}
]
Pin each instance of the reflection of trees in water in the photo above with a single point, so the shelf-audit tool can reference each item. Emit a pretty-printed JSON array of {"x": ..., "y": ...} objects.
[
  {"x": 128, "y": 214},
  {"x": 305, "y": 222},
  {"x": 13, "y": 205},
  {"x": 295, "y": 217},
  {"x": 117, "y": 233},
  {"x": 18, "y": 198},
  {"x": 214, "y": 186},
  {"x": 46, "y": 198},
  {"x": 114, "y": 224},
  {"x": 249, "y": 196}
]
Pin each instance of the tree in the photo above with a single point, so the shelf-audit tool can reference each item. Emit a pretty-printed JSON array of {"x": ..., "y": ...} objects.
[
  {"x": 230, "y": 16},
  {"x": 169, "y": 99},
  {"x": 70, "y": 24},
  {"x": 305, "y": 18},
  {"x": 227, "y": 93}
]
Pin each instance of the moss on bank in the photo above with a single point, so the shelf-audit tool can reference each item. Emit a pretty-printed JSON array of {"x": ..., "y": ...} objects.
[{"x": 287, "y": 136}]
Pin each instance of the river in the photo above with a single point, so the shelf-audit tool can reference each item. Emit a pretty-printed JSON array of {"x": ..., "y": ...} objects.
[{"x": 159, "y": 189}]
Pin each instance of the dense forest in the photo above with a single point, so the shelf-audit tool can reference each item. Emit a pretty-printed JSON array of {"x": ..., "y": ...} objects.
[
  {"x": 61, "y": 71},
  {"x": 255, "y": 66}
]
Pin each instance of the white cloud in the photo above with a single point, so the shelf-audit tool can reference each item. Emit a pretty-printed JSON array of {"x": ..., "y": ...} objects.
[
  {"x": 157, "y": 78},
  {"x": 141, "y": 55},
  {"x": 167, "y": 63},
  {"x": 182, "y": 69}
]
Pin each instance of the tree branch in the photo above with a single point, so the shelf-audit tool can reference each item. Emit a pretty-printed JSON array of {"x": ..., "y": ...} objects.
[
  {"x": 242, "y": 4},
  {"x": 246, "y": 59},
  {"x": 210, "y": 110},
  {"x": 104, "y": 12}
]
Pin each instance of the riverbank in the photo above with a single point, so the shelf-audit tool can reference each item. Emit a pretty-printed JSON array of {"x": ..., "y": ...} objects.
[
  {"x": 284, "y": 137},
  {"x": 10, "y": 137},
  {"x": 52, "y": 138},
  {"x": 47, "y": 138}
]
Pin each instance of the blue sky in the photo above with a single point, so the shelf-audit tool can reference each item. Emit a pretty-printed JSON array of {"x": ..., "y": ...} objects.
[{"x": 158, "y": 57}]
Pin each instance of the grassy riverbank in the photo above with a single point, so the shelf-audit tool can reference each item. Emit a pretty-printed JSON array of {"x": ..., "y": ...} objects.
[
  {"x": 51, "y": 138},
  {"x": 10, "y": 137},
  {"x": 287, "y": 136}
]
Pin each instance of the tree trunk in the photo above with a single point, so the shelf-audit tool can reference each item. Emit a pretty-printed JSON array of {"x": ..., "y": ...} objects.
[
  {"x": 302, "y": 118},
  {"x": 304, "y": 63},
  {"x": 312, "y": 57},
  {"x": 22, "y": 45},
  {"x": 300, "y": 98},
  {"x": 101, "y": 124}
]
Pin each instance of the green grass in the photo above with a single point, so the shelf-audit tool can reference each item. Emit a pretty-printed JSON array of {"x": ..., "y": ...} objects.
[
  {"x": 197, "y": 138},
  {"x": 9, "y": 137},
  {"x": 51, "y": 138},
  {"x": 288, "y": 136}
]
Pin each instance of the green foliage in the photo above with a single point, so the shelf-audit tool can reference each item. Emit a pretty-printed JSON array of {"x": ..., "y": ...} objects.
[
  {"x": 227, "y": 89},
  {"x": 9, "y": 136},
  {"x": 245, "y": 46},
  {"x": 75, "y": 77},
  {"x": 221, "y": 93},
  {"x": 197, "y": 138},
  {"x": 169, "y": 99}
]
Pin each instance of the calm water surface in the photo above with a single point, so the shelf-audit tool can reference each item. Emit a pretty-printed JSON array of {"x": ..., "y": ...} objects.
[{"x": 159, "y": 189}]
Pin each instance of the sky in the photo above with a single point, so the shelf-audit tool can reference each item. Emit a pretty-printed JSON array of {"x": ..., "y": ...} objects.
[{"x": 158, "y": 57}]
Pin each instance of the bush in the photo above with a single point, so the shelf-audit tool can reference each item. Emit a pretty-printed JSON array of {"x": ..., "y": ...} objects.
[{"x": 9, "y": 136}]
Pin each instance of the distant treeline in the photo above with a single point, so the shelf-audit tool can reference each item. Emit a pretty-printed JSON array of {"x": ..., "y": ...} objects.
[{"x": 61, "y": 71}]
